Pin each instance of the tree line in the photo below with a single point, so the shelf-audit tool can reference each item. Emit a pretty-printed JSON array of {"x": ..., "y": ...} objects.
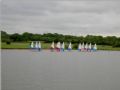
[{"x": 50, "y": 37}]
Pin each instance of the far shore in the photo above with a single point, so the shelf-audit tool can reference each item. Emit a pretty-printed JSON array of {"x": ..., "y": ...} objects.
[
  {"x": 49, "y": 49},
  {"x": 46, "y": 46}
]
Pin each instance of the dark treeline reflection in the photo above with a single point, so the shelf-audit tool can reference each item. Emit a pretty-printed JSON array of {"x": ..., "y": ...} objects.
[{"x": 49, "y": 37}]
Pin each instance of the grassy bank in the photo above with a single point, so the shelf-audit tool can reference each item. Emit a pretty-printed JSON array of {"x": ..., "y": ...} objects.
[
  {"x": 25, "y": 45},
  {"x": 21, "y": 45}
]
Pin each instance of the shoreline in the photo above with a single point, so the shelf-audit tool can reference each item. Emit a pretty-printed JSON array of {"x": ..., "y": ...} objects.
[
  {"x": 46, "y": 46},
  {"x": 49, "y": 49}
]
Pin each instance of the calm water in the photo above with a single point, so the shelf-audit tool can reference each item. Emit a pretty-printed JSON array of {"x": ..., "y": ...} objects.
[{"x": 30, "y": 70}]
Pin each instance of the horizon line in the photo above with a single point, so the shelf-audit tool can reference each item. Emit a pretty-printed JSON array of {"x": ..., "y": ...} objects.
[{"x": 72, "y": 34}]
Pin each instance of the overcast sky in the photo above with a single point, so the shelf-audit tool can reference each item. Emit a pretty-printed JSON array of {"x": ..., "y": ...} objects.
[{"x": 77, "y": 17}]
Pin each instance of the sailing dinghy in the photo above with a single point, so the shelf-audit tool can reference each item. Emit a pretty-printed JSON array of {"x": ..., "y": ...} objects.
[
  {"x": 70, "y": 47},
  {"x": 79, "y": 47},
  {"x": 52, "y": 46},
  {"x": 63, "y": 47}
]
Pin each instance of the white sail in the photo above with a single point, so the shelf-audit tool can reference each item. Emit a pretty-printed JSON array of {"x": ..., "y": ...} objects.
[
  {"x": 90, "y": 46},
  {"x": 52, "y": 45},
  {"x": 63, "y": 45},
  {"x": 36, "y": 45},
  {"x": 32, "y": 45},
  {"x": 70, "y": 46},
  {"x": 86, "y": 46},
  {"x": 95, "y": 47},
  {"x": 83, "y": 46},
  {"x": 79, "y": 46},
  {"x": 39, "y": 45},
  {"x": 58, "y": 45}
]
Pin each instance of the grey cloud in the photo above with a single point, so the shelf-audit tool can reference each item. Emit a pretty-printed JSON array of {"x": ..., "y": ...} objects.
[{"x": 66, "y": 16}]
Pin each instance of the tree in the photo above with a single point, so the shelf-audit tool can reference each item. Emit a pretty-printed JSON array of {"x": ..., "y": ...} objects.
[
  {"x": 16, "y": 37},
  {"x": 27, "y": 36},
  {"x": 5, "y": 37},
  {"x": 50, "y": 37}
]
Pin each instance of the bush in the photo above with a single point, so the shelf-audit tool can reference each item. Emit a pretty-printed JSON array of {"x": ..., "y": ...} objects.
[
  {"x": 8, "y": 42},
  {"x": 116, "y": 44},
  {"x": 75, "y": 46}
]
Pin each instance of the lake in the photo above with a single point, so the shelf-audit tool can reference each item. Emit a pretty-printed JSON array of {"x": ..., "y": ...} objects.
[{"x": 32, "y": 70}]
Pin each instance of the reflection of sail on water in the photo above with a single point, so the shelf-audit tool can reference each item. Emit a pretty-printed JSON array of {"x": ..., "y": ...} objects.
[{"x": 52, "y": 45}]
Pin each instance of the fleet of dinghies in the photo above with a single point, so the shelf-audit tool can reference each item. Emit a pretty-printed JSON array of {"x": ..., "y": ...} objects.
[
  {"x": 60, "y": 47},
  {"x": 35, "y": 45}
]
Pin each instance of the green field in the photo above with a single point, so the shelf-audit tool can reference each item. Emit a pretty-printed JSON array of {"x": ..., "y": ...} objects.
[
  {"x": 25, "y": 45},
  {"x": 21, "y": 45}
]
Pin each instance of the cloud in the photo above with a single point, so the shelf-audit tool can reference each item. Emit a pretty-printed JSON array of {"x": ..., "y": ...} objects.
[{"x": 67, "y": 16}]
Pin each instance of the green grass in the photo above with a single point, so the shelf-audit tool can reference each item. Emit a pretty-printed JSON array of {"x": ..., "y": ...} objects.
[
  {"x": 25, "y": 45},
  {"x": 106, "y": 47},
  {"x": 22, "y": 45},
  {"x": 15, "y": 46}
]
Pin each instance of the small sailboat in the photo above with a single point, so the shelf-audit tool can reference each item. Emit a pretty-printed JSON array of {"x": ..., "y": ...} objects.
[
  {"x": 63, "y": 46},
  {"x": 58, "y": 46},
  {"x": 39, "y": 46},
  {"x": 90, "y": 47},
  {"x": 36, "y": 45},
  {"x": 95, "y": 47},
  {"x": 79, "y": 47},
  {"x": 86, "y": 47},
  {"x": 70, "y": 47},
  {"x": 32, "y": 45},
  {"x": 52, "y": 46},
  {"x": 83, "y": 47}
]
